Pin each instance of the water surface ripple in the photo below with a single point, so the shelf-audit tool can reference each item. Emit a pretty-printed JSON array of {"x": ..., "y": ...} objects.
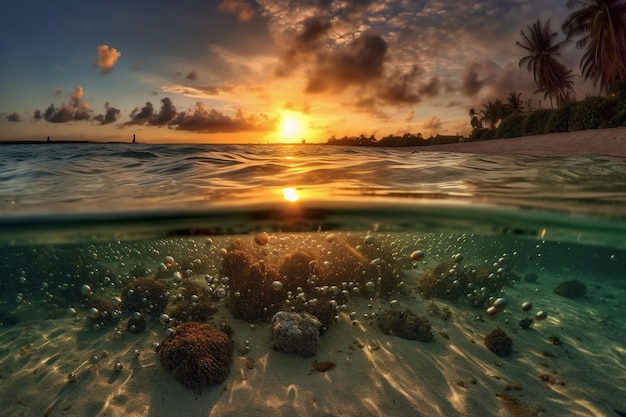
[{"x": 119, "y": 177}]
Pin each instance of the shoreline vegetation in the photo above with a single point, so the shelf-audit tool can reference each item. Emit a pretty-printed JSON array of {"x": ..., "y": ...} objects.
[{"x": 511, "y": 120}]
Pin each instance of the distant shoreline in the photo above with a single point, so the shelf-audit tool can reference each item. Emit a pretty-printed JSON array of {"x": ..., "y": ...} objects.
[
  {"x": 58, "y": 142},
  {"x": 610, "y": 142}
]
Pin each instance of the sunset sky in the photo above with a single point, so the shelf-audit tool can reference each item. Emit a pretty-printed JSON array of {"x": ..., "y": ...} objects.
[{"x": 261, "y": 71}]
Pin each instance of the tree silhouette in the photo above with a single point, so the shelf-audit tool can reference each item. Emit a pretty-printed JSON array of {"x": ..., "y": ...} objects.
[
  {"x": 600, "y": 26},
  {"x": 514, "y": 100},
  {"x": 492, "y": 112},
  {"x": 548, "y": 72}
]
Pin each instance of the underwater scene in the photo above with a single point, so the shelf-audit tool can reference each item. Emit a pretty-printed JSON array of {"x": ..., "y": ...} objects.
[{"x": 367, "y": 305}]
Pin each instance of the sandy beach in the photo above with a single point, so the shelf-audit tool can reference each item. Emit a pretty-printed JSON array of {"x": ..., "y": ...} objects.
[
  {"x": 571, "y": 363},
  {"x": 595, "y": 142}
]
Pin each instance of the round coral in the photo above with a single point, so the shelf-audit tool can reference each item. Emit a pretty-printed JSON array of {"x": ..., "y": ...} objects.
[
  {"x": 499, "y": 342},
  {"x": 406, "y": 324},
  {"x": 197, "y": 354},
  {"x": 145, "y": 295}
]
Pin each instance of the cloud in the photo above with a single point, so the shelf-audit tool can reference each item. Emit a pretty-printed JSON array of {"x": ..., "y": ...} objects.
[
  {"x": 470, "y": 82},
  {"x": 313, "y": 29},
  {"x": 193, "y": 75},
  {"x": 409, "y": 115},
  {"x": 369, "y": 105},
  {"x": 141, "y": 116},
  {"x": 240, "y": 8},
  {"x": 398, "y": 89},
  {"x": 487, "y": 80},
  {"x": 75, "y": 110},
  {"x": 13, "y": 117},
  {"x": 147, "y": 116},
  {"x": 107, "y": 57},
  {"x": 305, "y": 42},
  {"x": 211, "y": 91},
  {"x": 205, "y": 120},
  {"x": 110, "y": 116},
  {"x": 166, "y": 113},
  {"x": 433, "y": 124},
  {"x": 430, "y": 88},
  {"x": 304, "y": 108},
  {"x": 359, "y": 63}
]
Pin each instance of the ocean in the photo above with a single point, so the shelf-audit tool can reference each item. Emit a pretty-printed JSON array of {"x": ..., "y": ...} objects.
[{"x": 437, "y": 283}]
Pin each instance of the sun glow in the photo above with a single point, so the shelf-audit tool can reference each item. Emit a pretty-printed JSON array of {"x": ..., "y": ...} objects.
[
  {"x": 290, "y": 194},
  {"x": 292, "y": 127}
]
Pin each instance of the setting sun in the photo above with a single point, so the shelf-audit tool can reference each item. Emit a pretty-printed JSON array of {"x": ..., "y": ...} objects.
[{"x": 291, "y": 127}]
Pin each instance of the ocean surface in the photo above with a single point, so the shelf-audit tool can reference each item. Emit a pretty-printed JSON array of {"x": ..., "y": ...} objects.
[{"x": 104, "y": 215}]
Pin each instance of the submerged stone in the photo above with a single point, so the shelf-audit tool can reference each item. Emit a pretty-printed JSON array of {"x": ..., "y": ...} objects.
[
  {"x": 571, "y": 289},
  {"x": 406, "y": 324},
  {"x": 296, "y": 333}
]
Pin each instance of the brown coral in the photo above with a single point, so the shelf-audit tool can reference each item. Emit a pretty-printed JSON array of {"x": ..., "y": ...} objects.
[
  {"x": 195, "y": 305},
  {"x": 406, "y": 324},
  {"x": 251, "y": 294},
  {"x": 107, "y": 310},
  {"x": 197, "y": 354},
  {"x": 145, "y": 295},
  {"x": 445, "y": 281},
  {"x": 296, "y": 268},
  {"x": 499, "y": 342}
]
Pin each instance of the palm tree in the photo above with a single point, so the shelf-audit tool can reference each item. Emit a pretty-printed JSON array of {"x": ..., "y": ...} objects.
[
  {"x": 475, "y": 121},
  {"x": 563, "y": 87},
  {"x": 514, "y": 100},
  {"x": 600, "y": 26},
  {"x": 539, "y": 41},
  {"x": 492, "y": 112}
]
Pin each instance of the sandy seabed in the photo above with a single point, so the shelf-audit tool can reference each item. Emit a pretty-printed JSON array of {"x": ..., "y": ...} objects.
[{"x": 580, "y": 373}]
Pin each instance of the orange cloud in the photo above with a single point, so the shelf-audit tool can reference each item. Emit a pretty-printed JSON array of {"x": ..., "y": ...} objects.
[
  {"x": 107, "y": 57},
  {"x": 240, "y": 8}
]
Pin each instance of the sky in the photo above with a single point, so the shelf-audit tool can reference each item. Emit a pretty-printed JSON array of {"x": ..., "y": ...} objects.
[{"x": 261, "y": 71}]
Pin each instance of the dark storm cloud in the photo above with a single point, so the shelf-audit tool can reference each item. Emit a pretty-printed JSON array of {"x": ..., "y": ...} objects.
[
  {"x": 166, "y": 113},
  {"x": 399, "y": 88},
  {"x": 58, "y": 115},
  {"x": 471, "y": 84},
  {"x": 358, "y": 64},
  {"x": 13, "y": 117},
  {"x": 147, "y": 115},
  {"x": 203, "y": 119},
  {"x": 304, "y": 43},
  {"x": 430, "y": 88},
  {"x": 370, "y": 106},
  {"x": 200, "y": 119},
  {"x": 489, "y": 80},
  {"x": 193, "y": 75},
  {"x": 110, "y": 115},
  {"x": 313, "y": 29},
  {"x": 141, "y": 116}
]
